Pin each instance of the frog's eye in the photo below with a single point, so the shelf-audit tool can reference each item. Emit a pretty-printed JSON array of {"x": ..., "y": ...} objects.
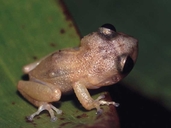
[
  {"x": 128, "y": 65},
  {"x": 107, "y": 31},
  {"x": 125, "y": 64},
  {"x": 109, "y": 26}
]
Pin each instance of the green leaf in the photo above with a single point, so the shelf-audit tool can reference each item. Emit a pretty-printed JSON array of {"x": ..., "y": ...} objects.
[{"x": 30, "y": 30}]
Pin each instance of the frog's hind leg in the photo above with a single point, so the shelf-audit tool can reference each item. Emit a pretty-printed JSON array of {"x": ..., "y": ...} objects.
[{"x": 40, "y": 95}]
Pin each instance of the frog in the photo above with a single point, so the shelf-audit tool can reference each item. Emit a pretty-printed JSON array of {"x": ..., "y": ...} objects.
[{"x": 103, "y": 58}]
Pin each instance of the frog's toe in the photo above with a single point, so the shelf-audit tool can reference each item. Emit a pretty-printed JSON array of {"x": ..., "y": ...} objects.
[
  {"x": 116, "y": 104},
  {"x": 99, "y": 112},
  {"x": 99, "y": 101},
  {"x": 58, "y": 111},
  {"x": 53, "y": 119},
  {"x": 30, "y": 118},
  {"x": 50, "y": 108},
  {"x": 103, "y": 102},
  {"x": 40, "y": 109}
]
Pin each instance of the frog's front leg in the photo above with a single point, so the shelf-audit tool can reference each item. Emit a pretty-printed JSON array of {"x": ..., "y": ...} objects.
[
  {"x": 87, "y": 101},
  {"x": 40, "y": 95}
]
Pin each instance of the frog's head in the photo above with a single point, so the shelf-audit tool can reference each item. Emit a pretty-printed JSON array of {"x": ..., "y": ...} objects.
[
  {"x": 125, "y": 46},
  {"x": 115, "y": 51}
]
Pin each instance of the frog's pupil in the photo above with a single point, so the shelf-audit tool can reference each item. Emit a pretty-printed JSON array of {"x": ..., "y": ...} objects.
[
  {"x": 109, "y": 26},
  {"x": 129, "y": 64}
]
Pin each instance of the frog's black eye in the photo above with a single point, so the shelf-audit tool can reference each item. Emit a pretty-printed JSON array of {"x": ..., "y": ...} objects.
[
  {"x": 128, "y": 65},
  {"x": 109, "y": 26},
  {"x": 125, "y": 64}
]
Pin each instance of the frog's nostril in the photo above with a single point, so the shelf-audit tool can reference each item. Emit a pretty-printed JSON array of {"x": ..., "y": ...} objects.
[{"x": 109, "y": 26}]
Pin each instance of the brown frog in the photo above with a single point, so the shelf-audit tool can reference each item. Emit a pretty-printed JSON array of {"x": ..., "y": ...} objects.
[{"x": 103, "y": 58}]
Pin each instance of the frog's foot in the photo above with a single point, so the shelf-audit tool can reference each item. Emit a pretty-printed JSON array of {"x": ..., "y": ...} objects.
[
  {"x": 99, "y": 102},
  {"x": 47, "y": 107}
]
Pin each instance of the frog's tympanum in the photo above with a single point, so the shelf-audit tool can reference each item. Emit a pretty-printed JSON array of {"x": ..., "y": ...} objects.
[{"x": 103, "y": 58}]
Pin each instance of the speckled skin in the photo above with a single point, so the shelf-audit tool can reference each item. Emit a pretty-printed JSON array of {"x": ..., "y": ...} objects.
[{"x": 103, "y": 58}]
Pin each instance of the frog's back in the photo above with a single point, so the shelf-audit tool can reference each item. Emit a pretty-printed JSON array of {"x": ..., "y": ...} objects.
[{"x": 58, "y": 69}]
